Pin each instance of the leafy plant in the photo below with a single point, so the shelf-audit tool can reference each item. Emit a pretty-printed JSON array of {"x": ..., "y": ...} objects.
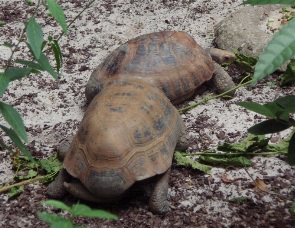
[
  {"x": 280, "y": 49},
  {"x": 233, "y": 154},
  {"x": 28, "y": 172},
  {"x": 75, "y": 211},
  {"x": 36, "y": 43}
]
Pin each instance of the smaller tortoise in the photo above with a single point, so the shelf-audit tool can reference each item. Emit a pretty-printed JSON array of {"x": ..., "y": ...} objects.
[
  {"x": 128, "y": 133},
  {"x": 172, "y": 61}
]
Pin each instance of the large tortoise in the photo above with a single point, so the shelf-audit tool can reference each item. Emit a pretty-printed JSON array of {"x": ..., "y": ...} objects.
[
  {"x": 128, "y": 133},
  {"x": 172, "y": 61}
]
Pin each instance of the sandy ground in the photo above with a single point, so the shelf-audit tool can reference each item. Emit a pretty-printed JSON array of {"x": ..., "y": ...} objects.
[{"x": 52, "y": 110}]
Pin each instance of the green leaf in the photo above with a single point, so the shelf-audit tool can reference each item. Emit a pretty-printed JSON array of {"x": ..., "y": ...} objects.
[
  {"x": 51, "y": 164},
  {"x": 54, "y": 219},
  {"x": 280, "y": 148},
  {"x": 31, "y": 174},
  {"x": 30, "y": 64},
  {"x": 292, "y": 209},
  {"x": 251, "y": 143},
  {"x": 268, "y": 127},
  {"x": 17, "y": 141},
  {"x": 291, "y": 150},
  {"x": 245, "y": 62},
  {"x": 58, "y": 14},
  {"x": 277, "y": 110},
  {"x": 289, "y": 75},
  {"x": 57, "y": 54},
  {"x": 280, "y": 49},
  {"x": 58, "y": 204},
  {"x": 83, "y": 210},
  {"x": 4, "y": 82},
  {"x": 5, "y": 44},
  {"x": 258, "y": 108},
  {"x": 187, "y": 162},
  {"x": 236, "y": 161},
  {"x": 44, "y": 63},
  {"x": 239, "y": 200},
  {"x": 14, "y": 119},
  {"x": 35, "y": 36},
  {"x": 15, "y": 191},
  {"x": 263, "y": 2},
  {"x": 17, "y": 73},
  {"x": 286, "y": 101}
]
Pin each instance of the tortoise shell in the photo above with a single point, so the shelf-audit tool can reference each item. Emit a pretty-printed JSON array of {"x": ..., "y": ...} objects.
[
  {"x": 172, "y": 61},
  {"x": 128, "y": 133}
]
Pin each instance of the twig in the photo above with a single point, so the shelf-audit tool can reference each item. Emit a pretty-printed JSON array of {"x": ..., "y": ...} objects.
[
  {"x": 210, "y": 97},
  {"x": 25, "y": 182},
  {"x": 269, "y": 192}
]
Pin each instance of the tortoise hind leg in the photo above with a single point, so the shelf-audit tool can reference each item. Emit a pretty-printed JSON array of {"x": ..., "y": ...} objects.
[
  {"x": 158, "y": 201},
  {"x": 56, "y": 189}
]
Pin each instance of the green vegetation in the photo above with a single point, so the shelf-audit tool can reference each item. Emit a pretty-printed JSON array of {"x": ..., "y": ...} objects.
[{"x": 75, "y": 211}]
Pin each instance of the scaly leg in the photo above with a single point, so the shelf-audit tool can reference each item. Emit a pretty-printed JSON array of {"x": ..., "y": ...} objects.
[{"x": 158, "y": 201}]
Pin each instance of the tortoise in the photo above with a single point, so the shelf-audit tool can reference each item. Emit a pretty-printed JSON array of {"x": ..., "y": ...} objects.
[
  {"x": 172, "y": 61},
  {"x": 128, "y": 134}
]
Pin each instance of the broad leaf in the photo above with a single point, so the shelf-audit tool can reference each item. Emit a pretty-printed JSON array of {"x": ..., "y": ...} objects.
[
  {"x": 58, "y": 14},
  {"x": 31, "y": 64},
  {"x": 35, "y": 36},
  {"x": 263, "y": 2},
  {"x": 14, "y": 119},
  {"x": 83, "y": 210},
  {"x": 17, "y": 73},
  {"x": 4, "y": 82},
  {"x": 289, "y": 75},
  {"x": 44, "y": 63},
  {"x": 17, "y": 141},
  {"x": 58, "y": 204},
  {"x": 236, "y": 161},
  {"x": 255, "y": 107},
  {"x": 5, "y": 44},
  {"x": 280, "y": 49},
  {"x": 291, "y": 150},
  {"x": 54, "y": 219},
  {"x": 268, "y": 127},
  {"x": 251, "y": 143},
  {"x": 286, "y": 101},
  {"x": 187, "y": 162}
]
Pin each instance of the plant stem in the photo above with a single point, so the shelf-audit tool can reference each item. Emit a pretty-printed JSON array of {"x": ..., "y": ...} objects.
[
  {"x": 231, "y": 154},
  {"x": 70, "y": 24},
  {"x": 210, "y": 97},
  {"x": 25, "y": 182}
]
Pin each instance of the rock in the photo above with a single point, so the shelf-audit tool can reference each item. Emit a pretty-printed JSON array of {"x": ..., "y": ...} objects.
[{"x": 245, "y": 30}]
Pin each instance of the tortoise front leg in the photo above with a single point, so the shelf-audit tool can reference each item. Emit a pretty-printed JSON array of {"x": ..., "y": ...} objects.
[
  {"x": 158, "y": 201},
  {"x": 222, "y": 81},
  {"x": 56, "y": 189}
]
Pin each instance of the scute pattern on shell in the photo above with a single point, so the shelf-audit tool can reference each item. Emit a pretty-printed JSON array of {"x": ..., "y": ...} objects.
[
  {"x": 172, "y": 61},
  {"x": 128, "y": 133}
]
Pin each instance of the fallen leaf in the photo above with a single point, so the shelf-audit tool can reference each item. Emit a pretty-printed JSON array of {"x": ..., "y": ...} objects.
[
  {"x": 259, "y": 185},
  {"x": 228, "y": 181}
]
